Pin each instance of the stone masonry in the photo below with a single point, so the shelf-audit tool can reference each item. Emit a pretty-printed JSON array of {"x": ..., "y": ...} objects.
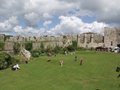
[
  {"x": 111, "y": 38},
  {"x": 90, "y": 40}
]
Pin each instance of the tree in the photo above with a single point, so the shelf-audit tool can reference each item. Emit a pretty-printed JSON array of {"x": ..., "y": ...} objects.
[
  {"x": 28, "y": 46},
  {"x": 16, "y": 48},
  {"x": 2, "y": 45},
  {"x": 6, "y": 60},
  {"x": 42, "y": 47},
  {"x": 74, "y": 44}
]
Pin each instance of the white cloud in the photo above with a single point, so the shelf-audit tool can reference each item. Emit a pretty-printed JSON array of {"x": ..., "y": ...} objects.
[
  {"x": 67, "y": 25},
  {"x": 47, "y": 16},
  {"x": 32, "y": 18},
  {"x": 74, "y": 25},
  {"x": 104, "y": 10},
  {"x": 7, "y": 25},
  {"x": 29, "y": 31},
  {"x": 46, "y": 23},
  {"x": 33, "y": 11}
]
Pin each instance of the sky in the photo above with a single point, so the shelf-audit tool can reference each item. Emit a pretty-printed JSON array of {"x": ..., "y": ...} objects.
[{"x": 57, "y": 17}]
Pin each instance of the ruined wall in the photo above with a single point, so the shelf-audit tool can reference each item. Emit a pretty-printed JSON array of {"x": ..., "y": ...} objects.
[
  {"x": 118, "y": 35},
  {"x": 90, "y": 40},
  {"x": 88, "y": 37},
  {"x": 97, "y": 38},
  {"x": 36, "y": 45},
  {"x": 52, "y": 44},
  {"x": 81, "y": 38},
  {"x": 46, "y": 45},
  {"x": 111, "y": 37},
  {"x": 8, "y": 46}
]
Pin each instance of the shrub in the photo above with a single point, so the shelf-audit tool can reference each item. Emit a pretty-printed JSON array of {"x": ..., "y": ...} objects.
[
  {"x": 43, "y": 54},
  {"x": 6, "y": 60},
  {"x": 70, "y": 48},
  {"x": 48, "y": 50},
  {"x": 3, "y": 61},
  {"x": 57, "y": 49},
  {"x": 35, "y": 53},
  {"x": 28, "y": 46},
  {"x": 74, "y": 44},
  {"x": 42, "y": 46},
  {"x": 2, "y": 45},
  {"x": 16, "y": 48}
]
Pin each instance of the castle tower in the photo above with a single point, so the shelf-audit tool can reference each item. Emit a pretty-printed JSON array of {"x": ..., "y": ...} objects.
[{"x": 112, "y": 37}]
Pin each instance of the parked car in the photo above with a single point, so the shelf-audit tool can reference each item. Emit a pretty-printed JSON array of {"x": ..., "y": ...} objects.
[{"x": 116, "y": 49}]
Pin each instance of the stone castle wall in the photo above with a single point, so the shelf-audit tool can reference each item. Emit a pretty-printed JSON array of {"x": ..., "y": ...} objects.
[
  {"x": 8, "y": 46},
  {"x": 48, "y": 42},
  {"x": 111, "y": 37},
  {"x": 90, "y": 40}
]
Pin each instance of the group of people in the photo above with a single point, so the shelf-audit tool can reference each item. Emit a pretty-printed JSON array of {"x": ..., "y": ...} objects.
[
  {"x": 76, "y": 58},
  {"x": 61, "y": 62},
  {"x": 81, "y": 60}
]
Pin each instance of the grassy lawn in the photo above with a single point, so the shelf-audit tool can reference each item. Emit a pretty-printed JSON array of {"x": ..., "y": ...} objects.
[{"x": 97, "y": 72}]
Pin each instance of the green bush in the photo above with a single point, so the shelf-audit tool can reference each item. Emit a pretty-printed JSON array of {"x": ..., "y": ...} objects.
[
  {"x": 71, "y": 48},
  {"x": 3, "y": 60},
  {"x": 42, "y": 46},
  {"x": 43, "y": 54},
  {"x": 57, "y": 49},
  {"x": 6, "y": 60},
  {"x": 28, "y": 46},
  {"x": 2, "y": 45},
  {"x": 16, "y": 48},
  {"x": 74, "y": 44},
  {"x": 48, "y": 50},
  {"x": 35, "y": 53}
]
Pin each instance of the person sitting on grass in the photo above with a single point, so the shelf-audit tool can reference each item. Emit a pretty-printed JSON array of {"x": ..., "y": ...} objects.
[
  {"x": 81, "y": 61},
  {"x": 61, "y": 63},
  {"x": 15, "y": 67},
  {"x": 49, "y": 59}
]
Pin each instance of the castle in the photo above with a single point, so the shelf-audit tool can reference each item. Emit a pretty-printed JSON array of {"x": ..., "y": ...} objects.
[
  {"x": 47, "y": 41},
  {"x": 90, "y": 40},
  {"x": 110, "y": 39}
]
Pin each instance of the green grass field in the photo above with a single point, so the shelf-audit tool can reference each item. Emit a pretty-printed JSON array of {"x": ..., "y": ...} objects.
[{"x": 97, "y": 72}]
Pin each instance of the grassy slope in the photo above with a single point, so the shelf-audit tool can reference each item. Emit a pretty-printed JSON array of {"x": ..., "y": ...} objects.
[{"x": 97, "y": 72}]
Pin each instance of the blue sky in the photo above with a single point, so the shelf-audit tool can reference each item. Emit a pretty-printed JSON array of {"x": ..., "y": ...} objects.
[
  {"x": 56, "y": 20},
  {"x": 88, "y": 19},
  {"x": 54, "y": 17}
]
